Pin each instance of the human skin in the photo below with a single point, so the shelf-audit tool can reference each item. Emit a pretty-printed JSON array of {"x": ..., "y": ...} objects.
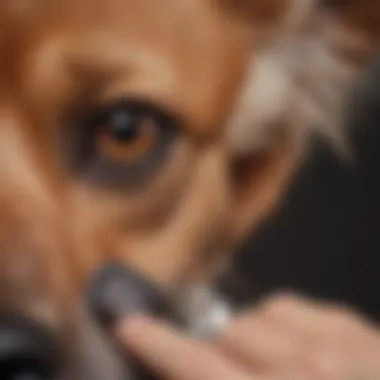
[{"x": 287, "y": 337}]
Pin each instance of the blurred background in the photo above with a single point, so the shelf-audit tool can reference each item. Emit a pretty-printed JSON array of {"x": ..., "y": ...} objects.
[{"x": 325, "y": 239}]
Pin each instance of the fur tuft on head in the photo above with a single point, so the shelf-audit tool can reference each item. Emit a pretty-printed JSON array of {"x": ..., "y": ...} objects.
[{"x": 305, "y": 61}]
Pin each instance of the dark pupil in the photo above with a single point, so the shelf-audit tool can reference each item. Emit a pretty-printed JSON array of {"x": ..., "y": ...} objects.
[{"x": 124, "y": 126}]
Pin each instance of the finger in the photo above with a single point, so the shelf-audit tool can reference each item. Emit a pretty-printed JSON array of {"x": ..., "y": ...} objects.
[
  {"x": 317, "y": 320},
  {"x": 335, "y": 365},
  {"x": 337, "y": 340},
  {"x": 175, "y": 356},
  {"x": 260, "y": 344}
]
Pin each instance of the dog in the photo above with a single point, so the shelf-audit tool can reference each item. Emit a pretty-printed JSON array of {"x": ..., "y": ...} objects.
[{"x": 158, "y": 134}]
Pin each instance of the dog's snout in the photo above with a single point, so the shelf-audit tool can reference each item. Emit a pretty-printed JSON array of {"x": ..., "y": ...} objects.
[
  {"x": 28, "y": 350},
  {"x": 117, "y": 291}
]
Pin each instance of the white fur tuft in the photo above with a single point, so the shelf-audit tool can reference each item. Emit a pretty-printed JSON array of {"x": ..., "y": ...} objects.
[{"x": 297, "y": 79}]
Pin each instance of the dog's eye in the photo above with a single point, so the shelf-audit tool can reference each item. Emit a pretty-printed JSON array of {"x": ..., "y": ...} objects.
[
  {"x": 126, "y": 136},
  {"x": 122, "y": 143}
]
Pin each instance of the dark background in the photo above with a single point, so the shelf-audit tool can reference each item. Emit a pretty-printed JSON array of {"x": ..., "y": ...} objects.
[{"x": 325, "y": 239}]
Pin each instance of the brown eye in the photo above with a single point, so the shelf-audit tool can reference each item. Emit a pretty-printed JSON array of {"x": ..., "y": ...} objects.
[
  {"x": 123, "y": 143},
  {"x": 126, "y": 137}
]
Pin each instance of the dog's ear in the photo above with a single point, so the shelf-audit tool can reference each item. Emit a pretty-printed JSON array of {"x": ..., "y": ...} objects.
[
  {"x": 359, "y": 16},
  {"x": 348, "y": 32},
  {"x": 356, "y": 21},
  {"x": 358, "y": 24}
]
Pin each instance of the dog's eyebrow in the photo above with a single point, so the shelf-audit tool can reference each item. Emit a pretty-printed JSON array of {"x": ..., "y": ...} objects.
[
  {"x": 102, "y": 51},
  {"x": 102, "y": 54},
  {"x": 123, "y": 68},
  {"x": 64, "y": 69}
]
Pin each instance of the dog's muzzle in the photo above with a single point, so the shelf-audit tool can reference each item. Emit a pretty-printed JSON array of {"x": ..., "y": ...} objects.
[
  {"x": 29, "y": 351},
  {"x": 116, "y": 292}
]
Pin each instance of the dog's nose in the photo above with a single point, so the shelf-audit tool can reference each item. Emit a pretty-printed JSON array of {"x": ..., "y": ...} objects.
[
  {"x": 117, "y": 291},
  {"x": 28, "y": 351}
]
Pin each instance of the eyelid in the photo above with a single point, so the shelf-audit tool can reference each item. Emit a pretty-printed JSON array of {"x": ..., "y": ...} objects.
[
  {"x": 88, "y": 164},
  {"x": 141, "y": 101},
  {"x": 141, "y": 106}
]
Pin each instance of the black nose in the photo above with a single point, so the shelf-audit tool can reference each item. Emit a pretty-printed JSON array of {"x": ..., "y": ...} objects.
[
  {"x": 28, "y": 351},
  {"x": 117, "y": 291}
]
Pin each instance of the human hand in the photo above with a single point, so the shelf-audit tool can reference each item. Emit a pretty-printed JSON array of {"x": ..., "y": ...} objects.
[{"x": 284, "y": 338}]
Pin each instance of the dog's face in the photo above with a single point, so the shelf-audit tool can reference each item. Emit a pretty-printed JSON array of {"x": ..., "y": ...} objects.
[
  {"x": 154, "y": 134},
  {"x": 113, "y": 118}
]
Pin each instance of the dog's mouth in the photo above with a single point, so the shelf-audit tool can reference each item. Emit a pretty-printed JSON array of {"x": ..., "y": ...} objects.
[{"x": 30, "y": 351}]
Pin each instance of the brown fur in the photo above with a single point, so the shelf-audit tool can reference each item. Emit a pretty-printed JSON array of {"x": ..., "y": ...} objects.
[{"x": 186, "y": 56}]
